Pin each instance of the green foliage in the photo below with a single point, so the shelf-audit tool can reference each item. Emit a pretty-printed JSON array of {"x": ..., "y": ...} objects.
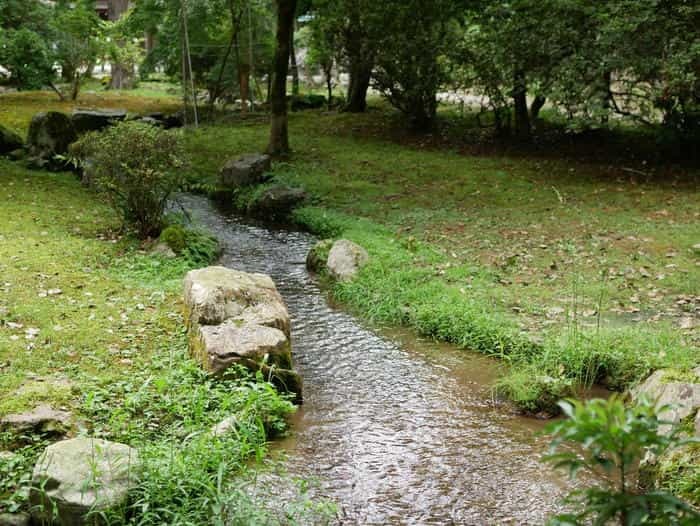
[
  {"x": 32, "y": 15},
  {"x": 409, "y": 70},
  {"x": 16, "y": 471},
  {"x": 25, "y": 54},
  {"x": 201, "y": 248},
  {"x": 679, "y": 473},
  {"x": 189, "y": 476},
  {"x": 138, "y": 167},
  {"x": 632, "y": 59},
  {"x": 615, "y": 438},
  {"x": 219, "y": 32},
  {"x": 77, "y": 41},
  {"x": 174, "y": 237}
]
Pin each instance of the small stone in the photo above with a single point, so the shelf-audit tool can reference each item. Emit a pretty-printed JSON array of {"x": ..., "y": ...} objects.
[
  {"x": 163, "y": 250},
  {"x": 276, "y": 202},
  {"x": 682, "y": 397},
  {"x": 345, "y": 260},
  {"x": 225, "y": 426},
  {"x": 50, "y": 134},
  {"x": 42, "y": 419}
]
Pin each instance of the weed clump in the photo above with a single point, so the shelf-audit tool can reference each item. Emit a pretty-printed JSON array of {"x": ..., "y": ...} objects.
[{"x": 175, "y": 237}]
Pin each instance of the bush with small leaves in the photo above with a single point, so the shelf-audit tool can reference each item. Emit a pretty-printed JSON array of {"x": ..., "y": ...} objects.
[{"x": 138, "y": 167}]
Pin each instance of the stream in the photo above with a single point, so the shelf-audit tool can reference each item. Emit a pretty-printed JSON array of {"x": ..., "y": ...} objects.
[{"x": 395, "y": 430}]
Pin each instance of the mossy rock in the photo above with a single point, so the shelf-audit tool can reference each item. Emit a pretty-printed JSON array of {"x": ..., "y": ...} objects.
[
  {"x": 274, "y": 201},
  {"x": 9, "y": 141},
  {"x": 50, "y": 134},
  {"x": 199, "y": 247},
  {"x": 317, "y": 258}
]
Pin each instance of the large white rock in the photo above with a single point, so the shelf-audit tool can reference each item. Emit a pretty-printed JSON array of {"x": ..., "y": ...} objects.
[
  {"x": 682, "y": 397},
  {"x": 237, "y": 318},
  {"x": 216, "y": 294},
  {"x": 81, "y": 477},
  {"x": 345, "y": 260}
]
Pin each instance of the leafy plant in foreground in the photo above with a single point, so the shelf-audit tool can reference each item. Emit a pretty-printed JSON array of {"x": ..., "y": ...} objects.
[{"x": 615, "y": 439}]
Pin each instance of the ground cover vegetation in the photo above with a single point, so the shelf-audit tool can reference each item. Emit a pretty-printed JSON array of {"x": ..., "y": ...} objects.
[{"x": 93, "y": 323}]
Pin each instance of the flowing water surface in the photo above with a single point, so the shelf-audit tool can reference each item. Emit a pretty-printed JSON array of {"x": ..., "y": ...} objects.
[{"x": 395, "y": 430}]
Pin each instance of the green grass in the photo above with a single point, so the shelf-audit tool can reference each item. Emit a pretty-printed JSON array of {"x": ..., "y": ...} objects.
[
  {"x": 586, "y": 258},
  {"x": 17, "y": 109},
  {"x": 551, "y": 257},
  {"x": 574, "y": 267},
  {"x": 92, "y": 323}
]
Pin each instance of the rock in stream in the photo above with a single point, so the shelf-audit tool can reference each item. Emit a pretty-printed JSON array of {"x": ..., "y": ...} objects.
[{"x": 239, "y": 318}]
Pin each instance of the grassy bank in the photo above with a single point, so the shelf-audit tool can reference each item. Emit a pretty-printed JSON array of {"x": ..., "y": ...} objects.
[
  {"x": 574, "y": 271},
  {"x": 92, "y": 324}
]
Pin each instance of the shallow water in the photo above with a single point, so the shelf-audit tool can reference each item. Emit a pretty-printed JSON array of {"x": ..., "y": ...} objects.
[{"x": 395, "y": 430}]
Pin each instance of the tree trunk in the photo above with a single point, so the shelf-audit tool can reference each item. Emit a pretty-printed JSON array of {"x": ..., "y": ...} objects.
[
  {"x": 279, "y": 137},
  {"x": 523, "y": 129},
  {"x": 75, "y": 88},
  {"x": 607, "y": 95},
  {"x": 536, "y": 106},
  {"x": 360, "y": 75},
  {"x": 244, "y": 84},
  {"x": 328, "y": 71},
  {"x": 122, "y": 76},
  {"x": 294, "y": 65}
]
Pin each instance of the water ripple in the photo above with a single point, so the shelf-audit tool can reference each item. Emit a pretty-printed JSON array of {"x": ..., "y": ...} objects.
[{"x": 396, "y": 433}]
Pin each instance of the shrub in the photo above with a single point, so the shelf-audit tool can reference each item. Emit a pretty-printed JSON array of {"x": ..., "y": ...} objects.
[
  {"x": 138, "y": 167},
  {"x": 201, "y": 248},
  {"x": 614, "y": 440},
  {"x": 174, "y": 237},
  {"x": 26, "y": 55}
]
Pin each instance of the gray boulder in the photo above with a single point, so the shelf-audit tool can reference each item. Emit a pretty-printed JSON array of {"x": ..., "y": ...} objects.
[
  {"x": 237, "y": 318},
  {"x": 50, "y": 134},
  {"x": 9, "y": 141},
  {"x": 345, "y": 260},
  {"x": 95, "y": 120},
  {"x": 14, "y": 519},
  {"x": 276, "y": 202},
  {"x": 80, "y": 478},
  {"x": 246, "y": 170},
  {"x": 683, "y": 397},
  {"x": 43, "y": 419},
  {"x": 317, "y": 258}
]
